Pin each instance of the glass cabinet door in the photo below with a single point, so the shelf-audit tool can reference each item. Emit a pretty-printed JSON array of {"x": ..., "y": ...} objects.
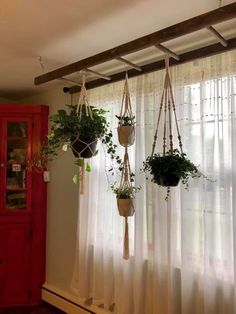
[{"x": 16, "y": 179}]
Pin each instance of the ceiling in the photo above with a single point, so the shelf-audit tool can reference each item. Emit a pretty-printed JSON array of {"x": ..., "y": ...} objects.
[{"x": 62, "y": 32}]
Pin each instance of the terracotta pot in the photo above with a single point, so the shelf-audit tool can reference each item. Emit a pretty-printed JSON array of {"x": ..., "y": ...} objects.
[
  {"x": 85, "y": 149},
  {"x": 126, "y": 135},
  {"x": 168, "y": 180},
  {"x": 125, "y": 207}
]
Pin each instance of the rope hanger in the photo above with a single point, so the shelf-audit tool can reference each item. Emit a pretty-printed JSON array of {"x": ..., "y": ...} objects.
[
  {"x": 126, "y": 181},
  {"x": 167, "y": 101},
  {"x": 83, "y": 101},
  {"x": 126, "y": 108},
  {"x": 83, "y": 107}
]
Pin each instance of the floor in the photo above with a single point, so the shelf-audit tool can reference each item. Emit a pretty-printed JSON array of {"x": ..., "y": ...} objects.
[{"x": 44, "y": 308}]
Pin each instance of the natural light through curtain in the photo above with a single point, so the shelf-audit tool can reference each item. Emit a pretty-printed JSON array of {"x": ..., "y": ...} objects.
[{"x": 182, "y": 252}]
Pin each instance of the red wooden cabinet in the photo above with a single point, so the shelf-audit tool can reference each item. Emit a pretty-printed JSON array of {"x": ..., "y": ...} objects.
[{"x": 23, "y": 129}]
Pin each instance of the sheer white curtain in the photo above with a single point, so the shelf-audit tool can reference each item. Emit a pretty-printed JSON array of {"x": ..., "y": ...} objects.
[{"x": 182, "y": 251}]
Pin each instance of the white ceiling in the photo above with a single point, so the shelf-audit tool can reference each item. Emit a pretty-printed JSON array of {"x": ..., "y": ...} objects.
[{"x": 62, "y": 32}]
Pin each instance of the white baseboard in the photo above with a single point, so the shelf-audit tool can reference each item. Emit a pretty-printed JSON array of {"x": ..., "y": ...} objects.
[{"x": 67, "y": 302}]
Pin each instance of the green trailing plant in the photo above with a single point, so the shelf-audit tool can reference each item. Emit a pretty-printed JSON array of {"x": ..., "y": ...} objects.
[
  {"x": 126, "y": 120},
  {"x": 125, "y": 192},
  {"x": 67, "y": 126},
  {"x": 171, "y": 167}
]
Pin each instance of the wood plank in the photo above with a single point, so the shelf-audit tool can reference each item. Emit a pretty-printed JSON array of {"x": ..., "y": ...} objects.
[
  {"x": 159, "y": 65},
  {"x": 131, "y": 64},
  {"x": 105, "y": 77},
  {"x": 218, "y": 36},
  {"x": 191, "y": 25},
  {"x": 69, "y": 81},
  {"x": 168, "y": 51}
]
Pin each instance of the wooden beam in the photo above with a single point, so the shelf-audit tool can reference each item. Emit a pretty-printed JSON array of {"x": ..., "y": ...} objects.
[
  {"x": 218, "y": 36},
  {"x": 168, "y": 51},
  {"x": 191, "y": 25},
  {"x": 105, "y": 77},
  {"x": 160, "y": 65},
  {"x": 131, "y": 64}
]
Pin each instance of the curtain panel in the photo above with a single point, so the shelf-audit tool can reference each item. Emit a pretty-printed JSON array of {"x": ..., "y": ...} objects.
[{"x": 182, "y": 251}]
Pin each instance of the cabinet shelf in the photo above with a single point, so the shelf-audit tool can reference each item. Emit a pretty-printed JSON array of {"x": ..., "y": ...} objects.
[
  {"x": 15, "y": 189},
  {"x": 11, "y": 162},
  {"x": 17, "y": 137}
]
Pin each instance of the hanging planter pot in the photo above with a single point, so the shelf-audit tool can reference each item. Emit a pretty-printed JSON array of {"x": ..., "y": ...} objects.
[
  {"x": 168, "y": 168},
  {"x": 168, "y": 180},
  {"x": 125, "y": 195},
  {"x": 79, "y": 127},
  {"x": 126, "y": 135},
  {"x": 125, "y": 192},
  {"x": 125, "y": 207},
  {"x": 83, "y": 147}
]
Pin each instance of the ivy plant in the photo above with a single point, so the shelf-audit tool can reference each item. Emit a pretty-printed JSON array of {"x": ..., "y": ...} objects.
[
  {"x": 67, "y": 125},
  {"x": 171, "y": 165}
]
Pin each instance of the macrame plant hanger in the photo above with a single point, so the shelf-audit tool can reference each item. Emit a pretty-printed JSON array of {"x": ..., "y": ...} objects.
[
  {"x": 126, "y": 109},
  {"x": 83, "y": 107},
  {"x": 83, "y": 101},
  {"x": 125, "y": 206},
  {"x": 167, "y": 105},
  {"x": 128, "y": 209},
  {"x": 126, "y": 134}
]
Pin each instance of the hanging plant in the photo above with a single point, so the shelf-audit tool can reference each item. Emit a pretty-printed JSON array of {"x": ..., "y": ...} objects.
[
  {"x": 125, "y": 191},
  {"x": 78, "y": 128},
  {"x": 79, "y": 133},
  {"x": 126, "y": 123},
  {"x": 124, "y": 196},
  {"x": 172, "y": 165},
  {"x": 169, "y": 169}
]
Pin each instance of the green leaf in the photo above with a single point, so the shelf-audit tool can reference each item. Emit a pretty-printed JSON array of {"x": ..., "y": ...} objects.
[
  {"x": 61, "y": 112},
  {"x": 96, "y": 152},
  {"x": 65, "y": 147},
  {"x": 88, "y": 168},
  {"x": 55, "y": 118},
  {"x": 76, "y": 178},
  {"x": 79, "y": 162}
]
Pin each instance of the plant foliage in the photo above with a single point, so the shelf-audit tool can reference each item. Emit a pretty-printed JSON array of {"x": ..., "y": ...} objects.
[
  {"x": 67, "y": 126},
  {"x": 125, "y": 192},
  {"x": 174, "y": 164},
  {"x": 126, "y": 120}
]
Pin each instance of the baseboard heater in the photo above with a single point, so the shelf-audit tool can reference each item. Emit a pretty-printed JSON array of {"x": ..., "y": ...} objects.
[{"x": 64, "y": 303}]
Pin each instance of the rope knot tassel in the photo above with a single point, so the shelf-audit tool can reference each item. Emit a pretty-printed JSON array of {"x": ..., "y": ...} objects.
[{"x": 126, "y": 240}]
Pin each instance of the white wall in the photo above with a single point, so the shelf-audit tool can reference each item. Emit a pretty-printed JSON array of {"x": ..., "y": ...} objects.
[{"x": 62, "y": 205}]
